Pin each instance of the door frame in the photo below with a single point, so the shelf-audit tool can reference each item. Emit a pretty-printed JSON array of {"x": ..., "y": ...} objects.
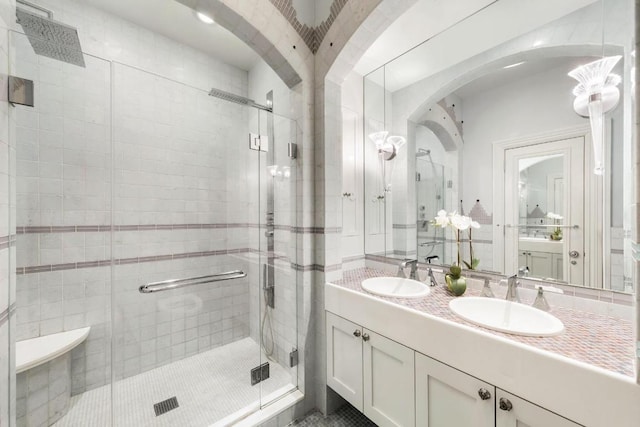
[{"x": 593, "y": 215}]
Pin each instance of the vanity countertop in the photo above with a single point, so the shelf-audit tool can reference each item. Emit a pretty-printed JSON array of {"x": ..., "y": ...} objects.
[{"x": 602, "y": 341}]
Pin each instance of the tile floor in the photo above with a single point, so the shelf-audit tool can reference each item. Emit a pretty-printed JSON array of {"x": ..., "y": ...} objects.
[
  {"x": 346, "y": 416},
  {"x": 208, "y": 386}
]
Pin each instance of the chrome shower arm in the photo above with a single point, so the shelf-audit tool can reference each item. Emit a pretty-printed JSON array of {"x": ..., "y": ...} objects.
[{"x": 36, "y": 7}]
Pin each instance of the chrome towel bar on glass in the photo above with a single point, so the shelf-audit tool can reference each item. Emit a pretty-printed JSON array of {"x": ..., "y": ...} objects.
[{"x": 165, "y": 285}]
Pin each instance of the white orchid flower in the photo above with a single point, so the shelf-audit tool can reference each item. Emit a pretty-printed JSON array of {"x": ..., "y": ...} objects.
[
  {"x": 442, "y": 220},
  {"x": 474, "y": 224},
  {"x": 460, "y": 222}
]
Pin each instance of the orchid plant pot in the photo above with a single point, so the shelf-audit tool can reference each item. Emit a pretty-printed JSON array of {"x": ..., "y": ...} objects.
[{"x": 456, "y": 284}]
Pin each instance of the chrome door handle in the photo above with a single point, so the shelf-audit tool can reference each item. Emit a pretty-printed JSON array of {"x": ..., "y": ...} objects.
[
  {"x": 356, "y": 333},
  {"x": 484, "y": 394},
  {"x": 574, "y": 254},
  {"x": 505, "y": 404},
  {"x": 365, "y": 336}
]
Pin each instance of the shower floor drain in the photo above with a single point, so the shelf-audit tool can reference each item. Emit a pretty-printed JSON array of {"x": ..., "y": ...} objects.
[{"x": 165, "y": 406}]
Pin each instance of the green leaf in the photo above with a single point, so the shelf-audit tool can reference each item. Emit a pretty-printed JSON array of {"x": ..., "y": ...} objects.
[
  {"x": 455, "y": 271},
  {"x": 475, "y": 263}
]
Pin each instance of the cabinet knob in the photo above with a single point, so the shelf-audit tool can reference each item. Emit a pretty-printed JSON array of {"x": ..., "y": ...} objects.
[
  {"x": 505, "y": 404},
  {"x": 484, "y": 394},
  {"x": 356, "y": 333},
  {"x": 365, "y": 336}
]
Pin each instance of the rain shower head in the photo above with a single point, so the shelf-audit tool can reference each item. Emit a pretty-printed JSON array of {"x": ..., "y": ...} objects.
[{"x": 50, "y": 38}]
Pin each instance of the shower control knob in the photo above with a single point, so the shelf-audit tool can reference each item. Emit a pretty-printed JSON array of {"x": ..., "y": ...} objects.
[
  {"x": 365, "y": 337},
  {"x": 484, "y": 394},
  {"x": 356, "y": 333},
  {"x": 574, "y": 254},
  {"x": 505, "y": 404}
]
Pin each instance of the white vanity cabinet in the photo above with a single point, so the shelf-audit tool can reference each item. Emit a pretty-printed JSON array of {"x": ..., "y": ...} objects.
[
  {"x": 511, "y": 411},
  {"x": 394, "y": 385},
  {"x": 373, "y": 373},
  {"x": 448, "y": 397},
  {"x": 543, "y": 257}
]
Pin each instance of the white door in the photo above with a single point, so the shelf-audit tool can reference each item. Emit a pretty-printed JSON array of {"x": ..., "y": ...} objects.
[
  {"x": 351, "y": 185},
  {"x": 344, "y": 359},
  {"x": 528, "y": 170},
  {"x": 446, "y": 397},
  {"x": 511, "y": 411},
  {"x": 389, "y": 381}
]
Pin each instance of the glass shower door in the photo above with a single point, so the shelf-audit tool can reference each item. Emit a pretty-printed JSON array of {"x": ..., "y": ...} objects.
[
  {"x": 430, "y": 195},
  {"x": 193, "y": 346},
  {"x": 278, "y": 302},
  {"x": 184, "y": 198}
]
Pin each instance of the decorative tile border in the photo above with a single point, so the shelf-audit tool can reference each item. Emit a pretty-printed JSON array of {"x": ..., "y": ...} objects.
[
  {"x": 463, "y": 239},
  {"x": 353, "y": 258},
  {"x": 155, "y": 227},
  {"x": 4, "y": 315},
  {"x": 7, "y": 241},
  {"x": 137, "y": 260},
  {"x": 404, "y": 226},
  {"x": 312, "y": 36},
  {"x": 316, "y": 267}
]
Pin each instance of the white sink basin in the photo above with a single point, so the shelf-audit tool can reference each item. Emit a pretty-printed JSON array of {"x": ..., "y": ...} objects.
[
  {"x": 396, "y": 287},
  {"x": 507, "y": 316}
]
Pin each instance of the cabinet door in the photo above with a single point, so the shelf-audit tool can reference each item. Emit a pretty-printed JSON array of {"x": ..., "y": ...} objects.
[
  {"x": 511, "y": 411},
  {"x": 344, "y": 359},
  {"x": 540, "y": 264},
  {"x": 523, "y": 261},
  {"x": 557, "y": 266},
  {"x": 447, "y": 397},
  {"x": 389, "y": 381}
]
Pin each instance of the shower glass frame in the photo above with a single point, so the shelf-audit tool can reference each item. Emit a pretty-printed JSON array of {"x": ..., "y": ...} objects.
[{"x": 286, "y": 131}]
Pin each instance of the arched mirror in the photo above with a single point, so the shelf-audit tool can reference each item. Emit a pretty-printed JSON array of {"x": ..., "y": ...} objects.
[{"x": 493, "y": 127}]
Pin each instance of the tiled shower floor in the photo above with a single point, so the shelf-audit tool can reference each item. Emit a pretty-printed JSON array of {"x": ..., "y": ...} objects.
[{"x": 208, "y": 386}]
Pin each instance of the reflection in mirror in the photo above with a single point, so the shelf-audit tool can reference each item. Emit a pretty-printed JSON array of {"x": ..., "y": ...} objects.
[
  {"x": 540, "y": 210},
  {"x": 492, "y": 133}
]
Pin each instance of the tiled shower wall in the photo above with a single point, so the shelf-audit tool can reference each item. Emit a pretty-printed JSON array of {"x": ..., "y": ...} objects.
[
  {"x": 182, "y": 207},
  {"x": 184, "y": 176},
  {"x": 7, "y": 233}
]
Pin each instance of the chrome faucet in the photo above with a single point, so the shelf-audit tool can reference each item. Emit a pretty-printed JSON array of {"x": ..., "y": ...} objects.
[
  {"x": 523, "y": 271},
  {"x": 413, "y": 263},
  {"x": 432, "y": 279},
  {"x": 512, "y": 289}
]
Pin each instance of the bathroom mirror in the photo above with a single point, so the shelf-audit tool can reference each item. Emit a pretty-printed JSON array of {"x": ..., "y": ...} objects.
[{"x": 487, "y": 128}]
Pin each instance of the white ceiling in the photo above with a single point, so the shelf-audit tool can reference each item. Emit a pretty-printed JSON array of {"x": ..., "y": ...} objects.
[
  {"x": 178, "y": 22},
  {"x": 503, "y": 76},
  {"x": 450, "y": 35}
]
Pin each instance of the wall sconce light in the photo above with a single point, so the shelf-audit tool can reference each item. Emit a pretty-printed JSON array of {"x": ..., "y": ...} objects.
[
  {"x": 596, "y": 94},
  {"x": 388, "y": 147}
]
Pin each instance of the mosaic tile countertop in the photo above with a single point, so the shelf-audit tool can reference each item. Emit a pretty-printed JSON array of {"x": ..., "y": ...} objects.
[{"x": 598, "y": 340}]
